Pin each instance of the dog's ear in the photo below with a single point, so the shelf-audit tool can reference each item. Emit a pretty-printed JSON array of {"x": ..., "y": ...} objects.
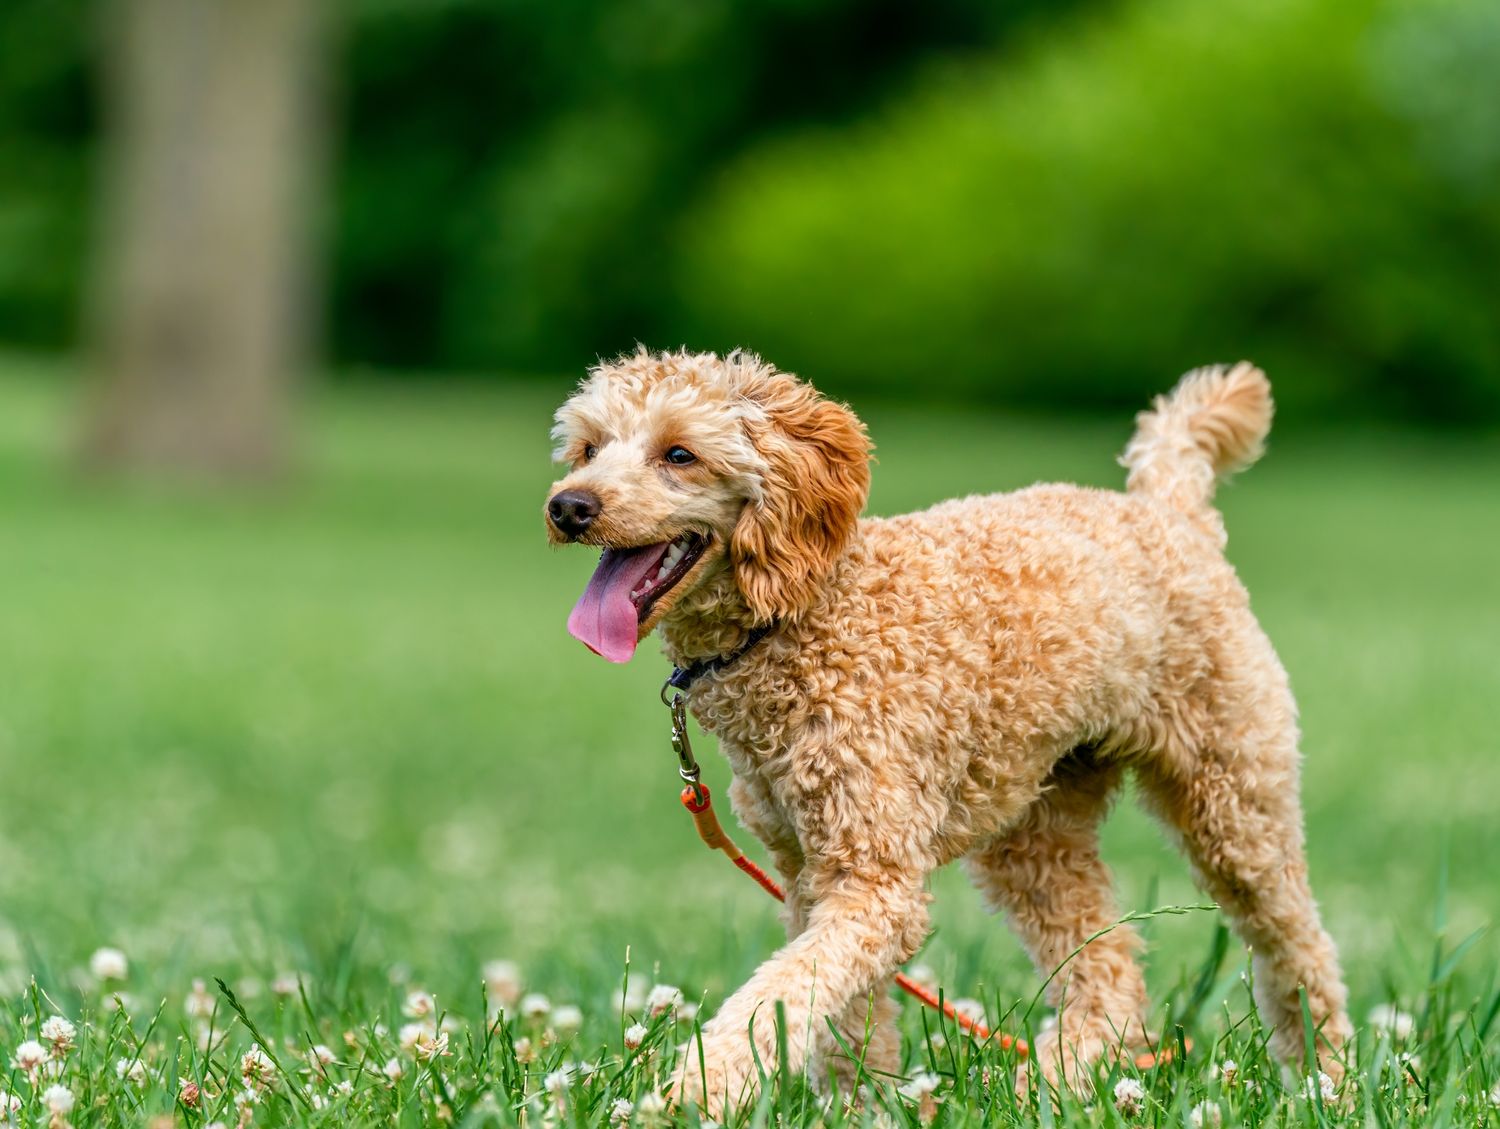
[{"x": 816, "y": 481}]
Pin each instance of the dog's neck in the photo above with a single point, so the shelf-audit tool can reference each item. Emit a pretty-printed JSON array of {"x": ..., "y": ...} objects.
[
  {"x": 710, "y": 621},
  {"x": 714, "y": 619}
]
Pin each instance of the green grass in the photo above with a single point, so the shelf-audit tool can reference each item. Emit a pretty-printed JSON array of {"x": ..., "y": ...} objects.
[{"x": 337, "y": 729}]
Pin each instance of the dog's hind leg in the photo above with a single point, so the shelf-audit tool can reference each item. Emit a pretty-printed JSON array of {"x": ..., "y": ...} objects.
[
  {"x": 1233, "y": 803},
  {"x": 1046, "y": 875}
]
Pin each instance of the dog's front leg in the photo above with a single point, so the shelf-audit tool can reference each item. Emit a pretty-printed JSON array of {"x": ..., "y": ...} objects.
[{"x": 862, "y": 927}]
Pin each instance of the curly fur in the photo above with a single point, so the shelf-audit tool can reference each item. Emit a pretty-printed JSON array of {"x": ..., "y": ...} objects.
[{"x": 970, "y": 682}]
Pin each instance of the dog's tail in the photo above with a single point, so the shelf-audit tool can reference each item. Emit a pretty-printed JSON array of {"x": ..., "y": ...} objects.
[{"x": 1212, "y": 424}]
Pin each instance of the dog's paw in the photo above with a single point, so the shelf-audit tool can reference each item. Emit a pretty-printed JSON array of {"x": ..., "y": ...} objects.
[
  {"x": 1061, "y": 1064},
  {"x": 719, "y": 1082}
]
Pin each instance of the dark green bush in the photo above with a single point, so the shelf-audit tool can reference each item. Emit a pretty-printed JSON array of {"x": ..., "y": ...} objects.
[
  {"x": 47, "y": 127},
  {"x": 1312, "y": 183},
  {"x": 514, "y": 169}
]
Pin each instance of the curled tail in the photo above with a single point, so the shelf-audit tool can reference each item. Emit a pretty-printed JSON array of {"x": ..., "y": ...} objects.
[{"x": 1212, "y": 424}]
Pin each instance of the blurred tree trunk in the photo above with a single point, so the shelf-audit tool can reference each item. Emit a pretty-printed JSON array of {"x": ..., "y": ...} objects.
[{"x": 205, "y": 287}]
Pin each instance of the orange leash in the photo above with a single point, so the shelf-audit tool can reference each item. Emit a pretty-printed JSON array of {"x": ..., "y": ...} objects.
[{"x": 699, "y": 803}]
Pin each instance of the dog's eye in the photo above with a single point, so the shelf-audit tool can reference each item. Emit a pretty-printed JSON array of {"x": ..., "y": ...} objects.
[
  {"x": 589, "y": 451},
  {"x": 680, "y": 456}
]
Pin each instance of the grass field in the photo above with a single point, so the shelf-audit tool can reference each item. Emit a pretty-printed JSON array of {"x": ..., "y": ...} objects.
[{"x": 331, "y": 744}]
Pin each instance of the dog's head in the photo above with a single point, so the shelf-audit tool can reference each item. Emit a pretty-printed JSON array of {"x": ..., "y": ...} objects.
[{"x": 683, "y": 466}]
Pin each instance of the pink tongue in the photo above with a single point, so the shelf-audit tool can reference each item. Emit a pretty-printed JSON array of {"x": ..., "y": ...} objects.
[{"x": 604, "y": 619}]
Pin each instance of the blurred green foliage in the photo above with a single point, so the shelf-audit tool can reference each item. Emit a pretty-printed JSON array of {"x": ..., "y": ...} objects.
[
  {"x": 514, "y": 169},
  {"x": 1314, "y": 184},
  {"x": 1061, "y": 204}
]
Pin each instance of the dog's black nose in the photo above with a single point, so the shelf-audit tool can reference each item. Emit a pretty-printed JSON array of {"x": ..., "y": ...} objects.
[{"x": 573, "y": 511}]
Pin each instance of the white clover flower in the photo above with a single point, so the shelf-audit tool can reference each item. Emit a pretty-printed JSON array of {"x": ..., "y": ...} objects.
[
  {"x": 344, "y": 1088},
  {"x": 1319, "y": 1086},
  {"x": 620, "y": 1111},
  {"x": 567, "y": 1018},
  {"x": 189, "y": 1093},
  {"x": 559, "y": 1080},
  {"x": 109, "y": 964},
  {"x": 663, "y": 998},
  {"x": 1130, "y": 1096},
  {"x": 131, "y": 1070},
  {"x": 29, "y": 1057},
  {"x": 58, "y": 1099},
  {"x": 502, "y": 982},
  {"x": 256, "y": 1068},
  {"x": 393, "y": 1069},
  {"x": 1390, "y": 1019},
  {"x": 119, "y": 1001},
  {"x": 688, "y": 1011},
  {"x": 972, "y": 1010},
  {"x": 1494, "y": 1095},
  {"x": 288, "y": 984},
  {"x": 58, "y": 1033},
  {"x": 630, "y": 998},
  {"x": 924, "y": 975},
  {"x": 317, "y": 1101},
  {"x": 652, "y": 1105},
  {"x": 248, "y": 988},
  {"x": 1228, "y": 1071},
  {"x": 246, "y": 1098},
  {"x": 200, "y": 1002},
  {"x": 320, "y": 1056},
  {"x": 9, "y": 1104},
  {"x": 921, "y": 1086},
  {"x": 1206, "y": 1115},
  {"x": 204, "y": 1036},
  {"x": 523, "y": 1049},
  {"x": 418, "y": 1005},
  {"x": 635, "y": 1035},
  {"x": 435, "y": 1047},
  {"x": 413, "y": 1033},
  {"x": 535, "y": 1006},
  {"x": 1410, "y": 1060}
]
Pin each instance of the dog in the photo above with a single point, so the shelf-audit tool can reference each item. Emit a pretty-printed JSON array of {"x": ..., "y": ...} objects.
[{"x": 969, "y": 682}]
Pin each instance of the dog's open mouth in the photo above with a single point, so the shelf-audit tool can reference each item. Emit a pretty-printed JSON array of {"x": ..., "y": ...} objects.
[{"x": 623, "y": 590}]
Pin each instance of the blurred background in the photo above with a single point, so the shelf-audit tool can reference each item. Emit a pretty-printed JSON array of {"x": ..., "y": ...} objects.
[{"x": 288, "y": 292}]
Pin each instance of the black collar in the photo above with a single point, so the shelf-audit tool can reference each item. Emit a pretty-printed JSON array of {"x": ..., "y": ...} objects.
[{"x": 683, "y": 678}]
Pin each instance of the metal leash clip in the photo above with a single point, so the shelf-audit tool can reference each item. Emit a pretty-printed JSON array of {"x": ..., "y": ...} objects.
[{"x": 687, "y": 764}]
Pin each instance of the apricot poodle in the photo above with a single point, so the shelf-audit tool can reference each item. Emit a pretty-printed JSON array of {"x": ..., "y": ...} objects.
[{"x": 967, "y": 682}]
